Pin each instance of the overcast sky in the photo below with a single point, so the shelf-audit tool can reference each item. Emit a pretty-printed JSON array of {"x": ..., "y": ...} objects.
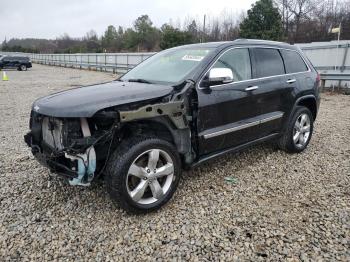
[{"x": 52, "y": 18}]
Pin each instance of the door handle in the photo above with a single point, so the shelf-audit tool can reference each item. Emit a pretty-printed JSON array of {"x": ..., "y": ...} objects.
[
  {"x": 291, "y": 81},
  {"x": 251, "y": 88}
]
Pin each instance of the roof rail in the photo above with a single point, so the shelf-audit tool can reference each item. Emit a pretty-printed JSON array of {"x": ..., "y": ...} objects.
[{"x": 258, "y": 40}]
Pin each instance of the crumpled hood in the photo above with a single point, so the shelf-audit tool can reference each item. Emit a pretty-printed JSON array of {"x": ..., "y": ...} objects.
[{"x": 86, "y": 101}]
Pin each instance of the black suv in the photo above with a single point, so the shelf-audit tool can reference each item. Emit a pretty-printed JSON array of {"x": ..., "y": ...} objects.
[
  {"x": 19, "y": 62},
  {"x": 176, "y": 110}
]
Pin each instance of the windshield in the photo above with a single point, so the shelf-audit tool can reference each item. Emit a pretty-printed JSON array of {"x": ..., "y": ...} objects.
[{"x": 170, "y": 66}]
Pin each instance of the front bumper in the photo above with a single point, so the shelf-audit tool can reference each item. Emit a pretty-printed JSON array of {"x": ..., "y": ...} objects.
[{"x": 56, "y": 162}]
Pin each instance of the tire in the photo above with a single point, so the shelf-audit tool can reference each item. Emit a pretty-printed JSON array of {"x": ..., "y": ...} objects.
[
  {"x": 298, "y": 132},
  {"x": 22, "y": 68},
  {"x": 136, "y": 189}
]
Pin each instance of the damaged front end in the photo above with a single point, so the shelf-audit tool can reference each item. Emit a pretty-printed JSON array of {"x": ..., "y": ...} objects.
[
  {"x": 78, "y": 148},
  {"x": 67, "y": 146}
]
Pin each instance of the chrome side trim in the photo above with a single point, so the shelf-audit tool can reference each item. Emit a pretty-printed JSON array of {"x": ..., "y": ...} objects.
[
  {"x": 230, "y": 130},
  {"x": 243, "y": 126},
  {"x": 271, "y": 118}
]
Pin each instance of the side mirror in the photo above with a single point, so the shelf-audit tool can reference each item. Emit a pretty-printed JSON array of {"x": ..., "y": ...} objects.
[{"x": 218, "y": 76}]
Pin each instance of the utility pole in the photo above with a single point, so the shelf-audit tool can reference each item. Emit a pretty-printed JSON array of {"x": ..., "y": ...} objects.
[
  {"x": 284, "y": 22},
  {"x": 203, "y": 29},
  {"x": 338, "y": 45}
]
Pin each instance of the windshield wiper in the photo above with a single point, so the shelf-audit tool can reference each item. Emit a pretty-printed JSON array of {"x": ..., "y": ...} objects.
[{"x": 139, "y": 80}]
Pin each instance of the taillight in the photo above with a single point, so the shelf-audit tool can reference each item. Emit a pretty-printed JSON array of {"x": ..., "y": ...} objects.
[{"x": 318, "y": 78}]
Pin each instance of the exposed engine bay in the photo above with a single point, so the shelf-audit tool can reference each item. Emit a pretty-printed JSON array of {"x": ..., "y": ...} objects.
[{"x": 67, "y": 146}]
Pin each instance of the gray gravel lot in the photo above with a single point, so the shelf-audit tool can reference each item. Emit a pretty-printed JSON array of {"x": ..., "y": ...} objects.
[{"x": 282, "y": 207}]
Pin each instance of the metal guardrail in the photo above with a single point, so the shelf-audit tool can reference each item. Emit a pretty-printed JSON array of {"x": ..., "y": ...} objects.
[
  {"x": 335, "y": 76},
  {"x": 114, "y": 62},
  {"x": 120, "y": 68}
]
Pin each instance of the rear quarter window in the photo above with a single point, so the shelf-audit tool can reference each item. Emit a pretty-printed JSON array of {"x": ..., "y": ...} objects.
[
  {"x": 267, "y": 62},
  {"x": 293, "y": 62}
]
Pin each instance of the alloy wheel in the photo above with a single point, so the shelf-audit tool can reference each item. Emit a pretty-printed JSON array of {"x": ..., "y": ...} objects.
[
  {"x": 301, "y": 131},
  {"x": 150, "y": 176}
]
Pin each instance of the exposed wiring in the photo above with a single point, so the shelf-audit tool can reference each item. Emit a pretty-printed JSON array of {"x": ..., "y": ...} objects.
[
  {"x": 53, "y": 137},
  {"x": 76, "y": 153},
  {"x": 114, "y": 128}
]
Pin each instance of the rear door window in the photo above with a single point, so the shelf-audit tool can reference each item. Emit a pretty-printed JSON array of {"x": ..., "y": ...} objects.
[
  {"x": 267, "y": 62},
  {"x": 24, "y": 59},
  {"x": 293, "y": 62}
]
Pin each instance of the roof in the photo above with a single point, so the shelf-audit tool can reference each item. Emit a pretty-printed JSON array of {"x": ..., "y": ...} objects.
[
  {"x": 207, "y": 44},
  {"x": 224, "y": 44}
]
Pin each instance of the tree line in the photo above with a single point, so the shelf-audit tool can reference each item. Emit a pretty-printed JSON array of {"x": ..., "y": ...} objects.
[{"x": 293, "y": 21}]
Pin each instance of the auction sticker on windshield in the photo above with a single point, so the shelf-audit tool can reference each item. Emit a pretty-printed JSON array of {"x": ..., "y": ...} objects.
[{"x": 192, "y": 58}]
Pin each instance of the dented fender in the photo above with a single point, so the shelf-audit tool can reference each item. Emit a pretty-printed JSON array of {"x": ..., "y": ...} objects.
[
  {"x": 175, "y": 114},
  {"x": 174, "y": 110}
]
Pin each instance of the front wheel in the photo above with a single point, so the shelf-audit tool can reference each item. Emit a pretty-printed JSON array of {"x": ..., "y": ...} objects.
[
  {"x": 143, "y": 174},
  {"x": 298, "y": 132}
]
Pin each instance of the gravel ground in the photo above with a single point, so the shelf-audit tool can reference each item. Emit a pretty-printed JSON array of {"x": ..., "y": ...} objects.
[{"x": 282, "y": 206}]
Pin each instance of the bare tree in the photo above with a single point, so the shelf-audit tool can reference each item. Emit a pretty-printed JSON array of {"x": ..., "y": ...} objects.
[
  {"x": 215, "y": 30},
  {"x": 300, "y": 10},
  {"x": 229, "y": 25},
  {"x": 286, "y": 15}
]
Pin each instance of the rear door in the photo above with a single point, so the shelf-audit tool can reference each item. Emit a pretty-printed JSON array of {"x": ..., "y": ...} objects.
[
  {"x": 272, "y": 94},
  {"x": 16, "y": 62},
  {"x": 297, "y": 76}
]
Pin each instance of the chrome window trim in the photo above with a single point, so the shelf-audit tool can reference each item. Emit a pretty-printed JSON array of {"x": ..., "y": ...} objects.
[
  {"x": 254, "y": 79},
  {"x": 243, "y": 126}
]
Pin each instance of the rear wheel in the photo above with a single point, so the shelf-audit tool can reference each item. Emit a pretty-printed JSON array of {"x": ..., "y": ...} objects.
[
  {"x": 143, "y": 174},
  {"x": 299, "y": 131},
  {"x": 22, "y": 68}
]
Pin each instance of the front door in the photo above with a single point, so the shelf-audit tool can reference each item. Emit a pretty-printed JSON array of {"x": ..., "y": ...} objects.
[{"x": 227, "y": 113}]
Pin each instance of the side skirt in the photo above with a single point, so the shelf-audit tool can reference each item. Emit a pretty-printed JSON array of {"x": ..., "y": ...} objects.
[{"x": 234, "y": 149}]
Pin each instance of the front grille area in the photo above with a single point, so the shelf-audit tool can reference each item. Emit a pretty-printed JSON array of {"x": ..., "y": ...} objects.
[
  {"x": 56, "y": 141},
  {"x": 52, "y": 132}
]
